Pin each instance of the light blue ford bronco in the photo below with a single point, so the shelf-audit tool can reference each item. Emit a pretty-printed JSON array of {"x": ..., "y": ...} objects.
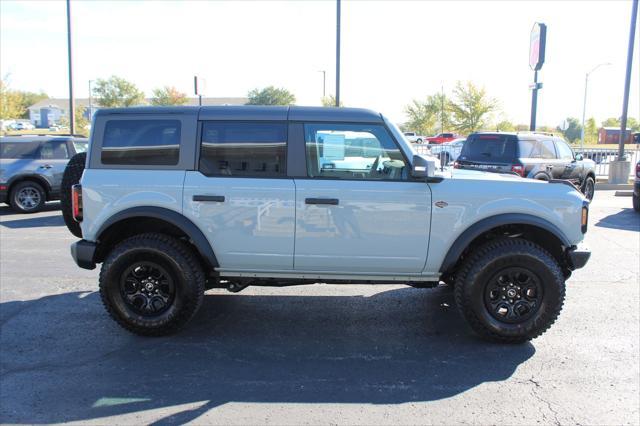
[{"x": 175, "y": 201}]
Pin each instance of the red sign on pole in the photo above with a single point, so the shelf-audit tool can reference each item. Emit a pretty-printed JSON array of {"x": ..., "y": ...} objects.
[{"x": 537, "y": 45}]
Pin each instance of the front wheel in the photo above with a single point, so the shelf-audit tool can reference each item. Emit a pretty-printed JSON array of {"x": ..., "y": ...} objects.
[
  {"x": 152, "y": 284},
  {"x": 588, "y": 188},
  {"x": 510, "y": 290}
]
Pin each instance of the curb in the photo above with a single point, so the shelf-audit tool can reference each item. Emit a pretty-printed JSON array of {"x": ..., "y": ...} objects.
[{"x": 613, "y": 186}]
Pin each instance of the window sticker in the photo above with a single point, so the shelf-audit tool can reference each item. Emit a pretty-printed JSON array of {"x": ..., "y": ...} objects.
[{"x": 332, "y": 145}]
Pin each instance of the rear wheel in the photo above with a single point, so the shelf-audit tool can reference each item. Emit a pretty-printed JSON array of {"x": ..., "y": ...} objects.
[
  {"x": 510, "y": 290},
  {"x": 152, "y": 284},
  {"x": 72, "y": 174},
  {"x": 636, "y": 202},
  {"x": 27, "y": 197}
]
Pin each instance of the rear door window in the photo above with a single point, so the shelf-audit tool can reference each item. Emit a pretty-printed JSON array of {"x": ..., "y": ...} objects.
[
  {"x": 244, "y": 149},
  {"x": 489, "y": 149},
  {"x": 18, "y": 150},
  {"x": 547, "y": 149},
  {"x": 141, "y": 142},
  {"x": 54, "y": 150}
]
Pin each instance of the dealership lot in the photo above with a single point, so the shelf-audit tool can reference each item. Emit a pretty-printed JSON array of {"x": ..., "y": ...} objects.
[{"x": 314, "y": 354}]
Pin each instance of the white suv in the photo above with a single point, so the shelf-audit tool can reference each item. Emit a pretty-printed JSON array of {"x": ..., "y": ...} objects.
[{"x": 177, "y": 200}]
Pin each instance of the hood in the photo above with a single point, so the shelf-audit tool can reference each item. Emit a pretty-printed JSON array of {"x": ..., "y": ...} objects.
[{"x": 490, "y": 176}]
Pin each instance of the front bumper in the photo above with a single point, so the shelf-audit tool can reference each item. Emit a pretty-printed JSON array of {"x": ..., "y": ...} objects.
[
  {"x": 83, "y": 253},
  {"x": 577, "y": 257}
]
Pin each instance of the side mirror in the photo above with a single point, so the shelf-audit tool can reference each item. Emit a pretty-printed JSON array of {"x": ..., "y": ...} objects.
[
  {"x": 579, "y": 157},
  {"x": 423, "y": 166}
]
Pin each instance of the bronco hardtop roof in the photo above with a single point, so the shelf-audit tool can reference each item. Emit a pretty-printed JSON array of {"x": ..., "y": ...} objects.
[
  {"x": 256, "y": 112},
  {"x": 41, "y": 138}
]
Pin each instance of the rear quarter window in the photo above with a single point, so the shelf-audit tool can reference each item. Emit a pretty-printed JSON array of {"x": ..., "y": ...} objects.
[
  {"x": 18, "y": 150},
  {"x": 489, "y": 148},
  {"x": 141, "y": 142}
]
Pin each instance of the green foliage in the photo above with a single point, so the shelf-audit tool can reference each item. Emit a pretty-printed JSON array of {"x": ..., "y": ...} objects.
[
  {"x": 15, "y": 103},
  {"x": 573, "y": 131},
  {"x": 430, "y": 116},
  {"x": 505, "y": 126},
  {"x": 470, "y": 107},
  {"x": 117, "y": 92},
  {"x": 82, "y": 124},
  {"x": 611, "y": 122},
  {"x": 522, "y": 127},
  {"x": 590, "y": 131},
  {"x": 330, "y": 101},
  {"x": 168, "y": 95},
  {"x": 271, "y": 96}
]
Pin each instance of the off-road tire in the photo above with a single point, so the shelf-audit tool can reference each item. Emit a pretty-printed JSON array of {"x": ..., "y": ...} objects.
[
  {"x": 27, "y": 185},
  {"x": 589, "y": 188},
  {"x": 488, "y": 260},
  {"x": 72, "y": 174},
  {"x": 181, "y": 264}
]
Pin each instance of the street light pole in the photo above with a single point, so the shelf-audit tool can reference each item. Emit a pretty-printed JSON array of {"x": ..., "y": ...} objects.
[
  {"x": 627, "y": 81},
  {"x": 338, "y": 53},
  {"x": 72, "y": 104},
  {"x": 584, "y": 104},
  {"x": 90, "y": 103}
]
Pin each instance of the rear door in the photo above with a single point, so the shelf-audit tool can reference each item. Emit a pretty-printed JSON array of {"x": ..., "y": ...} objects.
[
  {"x": 53, "y": 158},
  {"x": 240, "y": 195},
  {"x": 358, "y": 211}
]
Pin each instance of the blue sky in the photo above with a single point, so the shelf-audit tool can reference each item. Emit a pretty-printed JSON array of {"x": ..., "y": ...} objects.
[{"x": 392, "y": 51}]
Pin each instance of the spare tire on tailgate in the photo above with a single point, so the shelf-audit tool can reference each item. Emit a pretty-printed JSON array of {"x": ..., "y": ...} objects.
[{"x": 72, "y": 175}]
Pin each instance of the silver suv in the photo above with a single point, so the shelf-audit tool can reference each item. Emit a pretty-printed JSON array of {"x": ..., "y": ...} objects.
[
  {"x": 31, "y": 168},
  {"x": 174, "y": 201}
]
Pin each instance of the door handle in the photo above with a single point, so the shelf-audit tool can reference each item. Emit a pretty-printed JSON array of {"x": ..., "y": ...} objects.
[
  {"x": 215, "y": 198},
  {"x": 326, "y": 201}
]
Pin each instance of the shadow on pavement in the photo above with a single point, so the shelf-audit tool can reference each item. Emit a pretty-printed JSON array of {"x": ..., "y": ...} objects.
[
  {"x": 627, "y": 219},
  {"x": 63, "y": 359},
  {"x": 32, "y": 220}
]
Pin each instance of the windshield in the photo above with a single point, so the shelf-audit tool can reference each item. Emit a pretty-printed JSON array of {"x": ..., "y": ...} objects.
[{"x": 489, "y": 148}]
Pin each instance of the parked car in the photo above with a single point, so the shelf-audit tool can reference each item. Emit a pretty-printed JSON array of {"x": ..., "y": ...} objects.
[
  {"x": 31, "y": 169},
  {"x": 636, "y": 189},
  {"x": 22, "y": 125},
  {"x": 413, "y": 137},
  {"x": 177, "y": 200},
  {"x": 442, "y": 138},
  {"x": 448, "y": 151},
  {"x": 531, "y": 155}
]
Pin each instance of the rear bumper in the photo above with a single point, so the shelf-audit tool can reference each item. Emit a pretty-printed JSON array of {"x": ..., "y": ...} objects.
[
  {"x": 83, "y": 253},
  {"x": 577, "y": 256}
]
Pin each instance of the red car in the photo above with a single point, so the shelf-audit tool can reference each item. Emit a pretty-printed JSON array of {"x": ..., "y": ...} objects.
[{"x": 442, "y": 138}]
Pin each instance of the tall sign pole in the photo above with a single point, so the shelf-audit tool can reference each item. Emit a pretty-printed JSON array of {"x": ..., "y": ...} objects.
[
  {"x": 537, "y": 44},
  {"x": 338, "y": 53},
  {"x": 627, "y": 81},
  {"x": 72, "y": 104}
]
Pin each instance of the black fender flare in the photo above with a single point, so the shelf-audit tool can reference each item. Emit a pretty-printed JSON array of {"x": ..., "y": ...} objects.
[
  {"x": 484, "y": 225},
  {"x": 176, "y": 219}
]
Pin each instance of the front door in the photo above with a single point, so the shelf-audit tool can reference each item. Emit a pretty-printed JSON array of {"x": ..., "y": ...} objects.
[{"x": 358, "y": 210}]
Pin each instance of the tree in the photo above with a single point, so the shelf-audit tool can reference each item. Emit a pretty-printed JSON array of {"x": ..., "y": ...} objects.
[
  {"x": 15, "y": 103},
  {"x": 117, "y": 92},
  {"x": 505, "y": 126},
  {"x": 591, "y": 131},
  {"x": 422, "y": 118},
  {"x": 611, "y": 122},
  {"x": 330, "y": 101},
  {"x": 470, "y": 107},
  {"x": 82, "y": 124},
  {"x": 168, "y": 95},
  {"x": 271, "y": 96},
  {"x": 573, "y": 131}
]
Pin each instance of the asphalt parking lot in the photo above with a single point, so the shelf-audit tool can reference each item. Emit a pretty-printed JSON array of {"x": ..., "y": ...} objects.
[{"x": 321, "y": 354}]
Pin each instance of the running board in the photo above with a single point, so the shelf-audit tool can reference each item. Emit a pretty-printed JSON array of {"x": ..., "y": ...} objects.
[{"x": 328, "y": 276}]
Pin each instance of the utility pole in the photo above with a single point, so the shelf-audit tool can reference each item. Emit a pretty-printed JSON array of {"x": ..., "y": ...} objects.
[
  {"x": 72, "y": 104},
  {"x": 442, "y": 109},
  {"x": 338, "y": 53}
]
